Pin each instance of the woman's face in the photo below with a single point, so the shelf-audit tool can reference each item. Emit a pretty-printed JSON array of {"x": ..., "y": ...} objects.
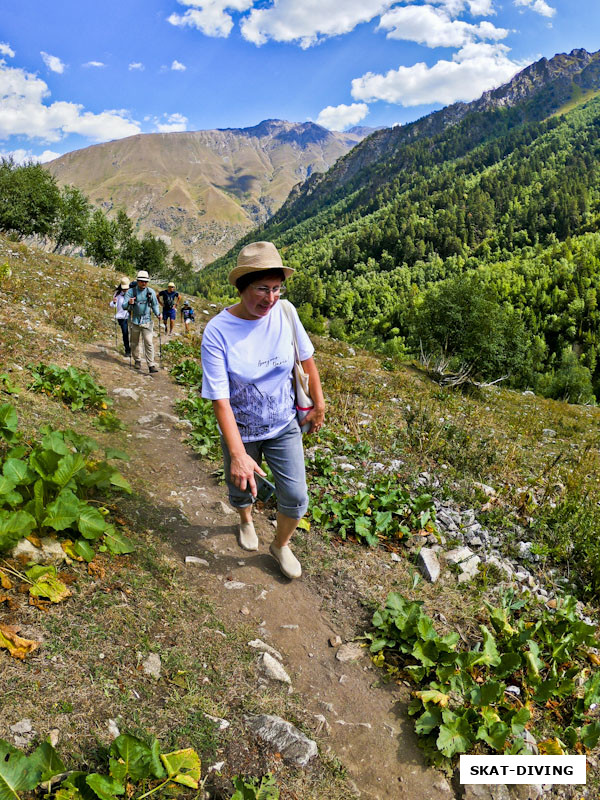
[{"x": 259, "y": 297}]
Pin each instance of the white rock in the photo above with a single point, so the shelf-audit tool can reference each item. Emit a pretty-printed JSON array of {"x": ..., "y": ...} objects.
[
  {"x": 223, "y": 508},
  {"x": 395, "y": 557},
  {"x": 195, "y": 560},
  {"x": 293, "y": 745},
  {"x": 113, "y": 729},
  {"x": 217, "y": 767},
  {"x": 458, "y": 555},
  {"x": 23, "y": 726},
  {"x": 222, "y": 723},
  {"x": 428, "y": 564},
  {"x": 271, "y": 668},
  {"x": 234, "y": 585},
  {"x": 349, "y": 652},
  {"x": 124, "y": 393},
  {"x": 152, "y": 665},
  {"x": 258, "y": 644}
]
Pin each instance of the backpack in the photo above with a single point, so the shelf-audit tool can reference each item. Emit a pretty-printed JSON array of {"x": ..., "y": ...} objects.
[{"x": 133, "y": 285}]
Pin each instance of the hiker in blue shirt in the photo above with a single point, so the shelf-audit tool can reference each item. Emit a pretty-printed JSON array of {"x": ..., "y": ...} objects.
[{"x": 142, "y": 303}]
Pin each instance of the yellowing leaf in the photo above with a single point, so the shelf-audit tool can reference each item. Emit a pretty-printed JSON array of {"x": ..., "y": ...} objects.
[
  {"x": 433, "y": 696},
  {"x": 16, "y": 645},
  {"x": 304, "y": 525},
  {"x": 51, "y": 587},
  {"x": 5, "y": 581},
  {"x": 69, "y": 548},
  {"x": 551, "y": 747},
  {"x": 183, "y": 766}
]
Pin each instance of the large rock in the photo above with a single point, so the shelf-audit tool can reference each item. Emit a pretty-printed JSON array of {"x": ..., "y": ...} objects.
[
  {"x": 50, "y": 552},
  {"x": 156, "y": 417},
  {"x": 293, "y": 745},
  {"x": 271, "y": 668},
  {"x": 428, "y": 564},
  {"x": 124, "y": 394}
]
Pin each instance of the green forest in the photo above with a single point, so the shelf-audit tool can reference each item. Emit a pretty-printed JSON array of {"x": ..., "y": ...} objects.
[{"x": 478, "y": 242}]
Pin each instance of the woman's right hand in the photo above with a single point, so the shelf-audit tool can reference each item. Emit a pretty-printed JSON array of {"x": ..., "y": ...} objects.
[{"x": 242, "y": 471}]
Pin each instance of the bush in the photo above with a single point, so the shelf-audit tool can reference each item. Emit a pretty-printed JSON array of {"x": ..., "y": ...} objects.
[
  {"x": 572, "y": 381},
  {"x": 463, "y": 318},
  {"x": 73, "y": 386}
]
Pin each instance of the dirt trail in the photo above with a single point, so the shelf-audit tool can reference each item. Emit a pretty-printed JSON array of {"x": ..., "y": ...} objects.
[{"x": 367, "y": 726}]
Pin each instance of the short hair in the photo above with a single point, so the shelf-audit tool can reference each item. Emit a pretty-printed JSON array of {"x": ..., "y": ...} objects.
[{"x": 245, "y": 280}]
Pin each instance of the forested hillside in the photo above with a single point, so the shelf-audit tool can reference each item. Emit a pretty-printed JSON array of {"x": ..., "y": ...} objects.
[{"x": 478, "y": 240}]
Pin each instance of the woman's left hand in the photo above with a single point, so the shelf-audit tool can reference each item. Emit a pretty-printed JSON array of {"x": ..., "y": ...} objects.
[{"x": 315, "y": 416}]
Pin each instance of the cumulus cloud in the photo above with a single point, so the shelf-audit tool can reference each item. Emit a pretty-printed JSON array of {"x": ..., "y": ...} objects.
[
  {"x": 94, "y": 64},
  {"x": 53, "y": 63},
  {"x": 309, "y": 21},
  {"x": 433, "y": 27},
  {"x": 539, "y": 6},
  {"x": 21, "y": 156},
  {"x": 24, "y": 112},
  {"x": 136, "y": 65},
  {"x": 177, "y": 66},
  {"x": 171, "y": 123},
  {"x": 209, "y": 16},
  {"x": 475, "y": 68},
  {"x": 337, "y": 118},
  {"x": 478, "y": 8},
  {"x": 6, "y": 50}
]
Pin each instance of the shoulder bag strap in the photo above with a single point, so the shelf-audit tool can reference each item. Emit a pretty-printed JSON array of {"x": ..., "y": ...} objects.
[{"x": 289, "y": 314}]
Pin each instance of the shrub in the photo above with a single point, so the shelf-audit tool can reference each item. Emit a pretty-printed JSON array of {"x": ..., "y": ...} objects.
[{"x": 71, "y": 385}]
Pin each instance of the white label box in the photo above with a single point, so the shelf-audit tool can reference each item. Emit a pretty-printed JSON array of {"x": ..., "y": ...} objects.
[{"x": 523, "y": 769}]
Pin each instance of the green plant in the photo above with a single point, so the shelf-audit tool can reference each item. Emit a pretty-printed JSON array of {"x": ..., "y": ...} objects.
[
  {"x": 132, "y": 765},
  {"x": 463, "y": 703},
  {"x": 385, "y": 511},
  {"x": 204, "y": 437},
  {"x": 263, "y": 788},
  {"x": 109, "y": 421},
  {"x": 47, "y": 486},
  {"x": 187, "y": 372},
  {"x": 71, "y": 385},
  {"x": 178, "y": 349}
]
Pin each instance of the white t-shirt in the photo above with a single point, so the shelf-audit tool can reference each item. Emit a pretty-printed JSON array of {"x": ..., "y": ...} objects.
[{"x": 249, "y": 362}]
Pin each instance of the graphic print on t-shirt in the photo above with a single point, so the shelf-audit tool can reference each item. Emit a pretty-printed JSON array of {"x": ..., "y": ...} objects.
[{"x": 257, "y": 413}]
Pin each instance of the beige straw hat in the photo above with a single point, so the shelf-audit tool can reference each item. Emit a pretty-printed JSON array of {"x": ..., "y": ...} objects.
[
  {"x": 257, "y": 257},
  {"x": 125, "y": 282}
]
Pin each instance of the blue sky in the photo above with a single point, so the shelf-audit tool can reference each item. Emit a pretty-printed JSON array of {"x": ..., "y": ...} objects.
[{"x": 77, "y": 72}]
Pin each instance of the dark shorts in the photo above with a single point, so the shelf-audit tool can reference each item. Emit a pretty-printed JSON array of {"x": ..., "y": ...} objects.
[{"x": 169, "y": 313}]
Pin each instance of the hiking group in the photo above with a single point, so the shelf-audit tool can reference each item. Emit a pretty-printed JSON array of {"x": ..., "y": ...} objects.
[{"x": 250, "y": 353}]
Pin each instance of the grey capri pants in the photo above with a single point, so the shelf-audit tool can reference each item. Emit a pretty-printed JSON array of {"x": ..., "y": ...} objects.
[{"x": 285, "y": 456}]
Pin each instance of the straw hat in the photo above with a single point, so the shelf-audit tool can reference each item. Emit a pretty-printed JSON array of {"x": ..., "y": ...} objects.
[
  {"x": 125, "y": 282},
  {"x": 143, "y": 275},
  {"x": 170, "y": 284},
  {"x": 257, "y": 257}
]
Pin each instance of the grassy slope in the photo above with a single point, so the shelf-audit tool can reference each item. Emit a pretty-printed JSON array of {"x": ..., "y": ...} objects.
[{"x": 495, "y": 437}]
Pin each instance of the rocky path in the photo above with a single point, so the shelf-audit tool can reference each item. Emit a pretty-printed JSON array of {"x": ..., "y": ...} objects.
[{"x": 366, "y": 726}]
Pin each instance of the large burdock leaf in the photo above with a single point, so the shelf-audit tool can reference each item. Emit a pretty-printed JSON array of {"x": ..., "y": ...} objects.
[
  {"x": 91, "y": 523},
  {"x": 116, "y": 543},
  {"x": 135, "y": 754},
  {"x": 106, "y": 788},
  {"x": 18, "y": 471},
  {"x": 17, "y": 772},
  {"x": 68, "y": 467},
  {"x": 16, "y": 645},
  {"x": 9, "y": 422},
  {"x": 120, "y": 482},
  {"x": 63, "y": 512},
  {"x": 14, "y": 525},
  {"x": 183, "y": 766},
  {"x": 47, "y": 759}
]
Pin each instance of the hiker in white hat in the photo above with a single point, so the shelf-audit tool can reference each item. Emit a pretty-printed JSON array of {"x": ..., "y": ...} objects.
[
  {"x": 141, "y": 301},
  {"x": 121, "y": 312},
  {"x": 247, "y": 361}
]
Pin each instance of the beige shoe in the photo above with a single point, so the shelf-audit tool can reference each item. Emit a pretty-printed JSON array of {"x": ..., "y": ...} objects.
[
  {"x": 247, "y": 536},
  {"x": 288, "y": 563}
]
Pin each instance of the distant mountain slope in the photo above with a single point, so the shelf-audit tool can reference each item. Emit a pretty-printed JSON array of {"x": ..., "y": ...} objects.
[
  {"x": 201, "y": 191},
  {"x": 504, "y": 193}
]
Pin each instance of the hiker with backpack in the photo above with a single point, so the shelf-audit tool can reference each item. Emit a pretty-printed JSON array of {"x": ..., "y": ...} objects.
[
  {"x": 169, "y": 299},
  {"x": 142, "y": 303},
  {"x": 187, "y": 316},
  {"x": 248, "y": 357},
  {"x": 121, "y": 313}
]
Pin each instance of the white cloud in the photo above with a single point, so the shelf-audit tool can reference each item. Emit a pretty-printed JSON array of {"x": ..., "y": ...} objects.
[
  {"x": 478, "y": 8},
  {"x": 540, "y": 6},
  {"x": 94, "y": 64},
  {"x": 476, "y": 68},
  {"x": 136, "y": 65},
  {"x": 53, "y": 63},
  {"x": 209, "y": 16},
  {"x": 171, "y": 123},
  {"x": 177, "y": 66},
  {"x": 23, "y": 112},
  {"x": 309, "y": 21},
  {"x": 337, "y": 118},
  {"x": 6, "y": 50},
  {"x": 434, "y": 28},
  {"x": 21, "y": 156}
]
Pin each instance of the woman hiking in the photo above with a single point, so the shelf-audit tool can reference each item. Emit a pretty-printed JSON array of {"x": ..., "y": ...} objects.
[{"x": 121, "y": 313}]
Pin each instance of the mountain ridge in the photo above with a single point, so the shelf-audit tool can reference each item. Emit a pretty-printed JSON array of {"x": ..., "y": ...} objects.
[{"x": 201, "y": 190}]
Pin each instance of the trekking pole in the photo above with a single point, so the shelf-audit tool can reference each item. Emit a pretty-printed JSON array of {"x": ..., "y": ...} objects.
[{"x": 159, "y": 344}]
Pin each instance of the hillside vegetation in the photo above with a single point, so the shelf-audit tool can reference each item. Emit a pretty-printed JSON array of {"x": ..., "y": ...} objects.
[{"x": 478, "y": 242}]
